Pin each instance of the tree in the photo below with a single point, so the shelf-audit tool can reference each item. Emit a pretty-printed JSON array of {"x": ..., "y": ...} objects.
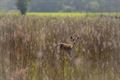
[{"x": 22, "y": 5}]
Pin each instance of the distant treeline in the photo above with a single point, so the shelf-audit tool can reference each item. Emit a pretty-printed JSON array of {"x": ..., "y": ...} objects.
[
  {"x": 66, "y": 5},
  {"x": 75, "y": 5}
]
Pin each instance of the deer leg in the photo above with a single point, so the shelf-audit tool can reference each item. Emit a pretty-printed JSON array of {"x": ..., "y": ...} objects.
[{"x": 71, "y": 56}]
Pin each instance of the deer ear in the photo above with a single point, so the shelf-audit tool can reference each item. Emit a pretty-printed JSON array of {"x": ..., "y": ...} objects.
[{"x": 72, "y": 38}]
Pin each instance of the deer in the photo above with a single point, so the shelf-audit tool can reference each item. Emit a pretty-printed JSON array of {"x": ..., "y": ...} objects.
[{"x": 68, "y": 48}]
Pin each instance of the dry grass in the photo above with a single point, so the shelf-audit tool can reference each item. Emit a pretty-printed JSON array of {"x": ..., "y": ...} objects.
[{"x": 28, "y": 48}]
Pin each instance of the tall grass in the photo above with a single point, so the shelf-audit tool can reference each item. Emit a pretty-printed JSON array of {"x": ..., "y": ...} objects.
[{"x": 28, "y": 48}]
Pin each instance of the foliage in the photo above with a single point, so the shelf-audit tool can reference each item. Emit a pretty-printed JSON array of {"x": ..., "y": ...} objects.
[
  {"x": 22, "y": 5},
  {"x": 75, "y": 5}
]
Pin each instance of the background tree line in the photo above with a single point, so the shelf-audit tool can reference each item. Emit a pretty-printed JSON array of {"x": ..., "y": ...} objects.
[
  {"x": 75, "y": 5},
  {"x": 65, "y": 5}
]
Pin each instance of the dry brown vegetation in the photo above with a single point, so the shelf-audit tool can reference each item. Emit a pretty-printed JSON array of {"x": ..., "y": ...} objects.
[{"x": 28, "y": 48}]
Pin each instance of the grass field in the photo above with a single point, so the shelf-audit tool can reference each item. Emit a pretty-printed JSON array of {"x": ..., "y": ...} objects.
[
  {"x": 72, "y": 14},
  {"x": 30, "y": 46},
  {"x": 62, "y": 14}
]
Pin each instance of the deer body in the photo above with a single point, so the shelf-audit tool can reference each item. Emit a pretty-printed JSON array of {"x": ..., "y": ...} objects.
[{"x": 65, "y": 46}]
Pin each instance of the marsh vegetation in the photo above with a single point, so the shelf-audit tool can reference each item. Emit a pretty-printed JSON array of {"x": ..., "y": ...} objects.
[{"x": 28, "y": 48}]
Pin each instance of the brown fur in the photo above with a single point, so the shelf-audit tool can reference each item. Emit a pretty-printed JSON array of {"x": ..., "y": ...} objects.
[
  {"x": 65, "y": 46},
  {"x": 68, "y": 45}
]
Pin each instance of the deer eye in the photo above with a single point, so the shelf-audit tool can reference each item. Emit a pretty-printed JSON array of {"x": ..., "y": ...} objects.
[
  {"x": 77, "y": 37},
  {"x": 71, "y": 37}
]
